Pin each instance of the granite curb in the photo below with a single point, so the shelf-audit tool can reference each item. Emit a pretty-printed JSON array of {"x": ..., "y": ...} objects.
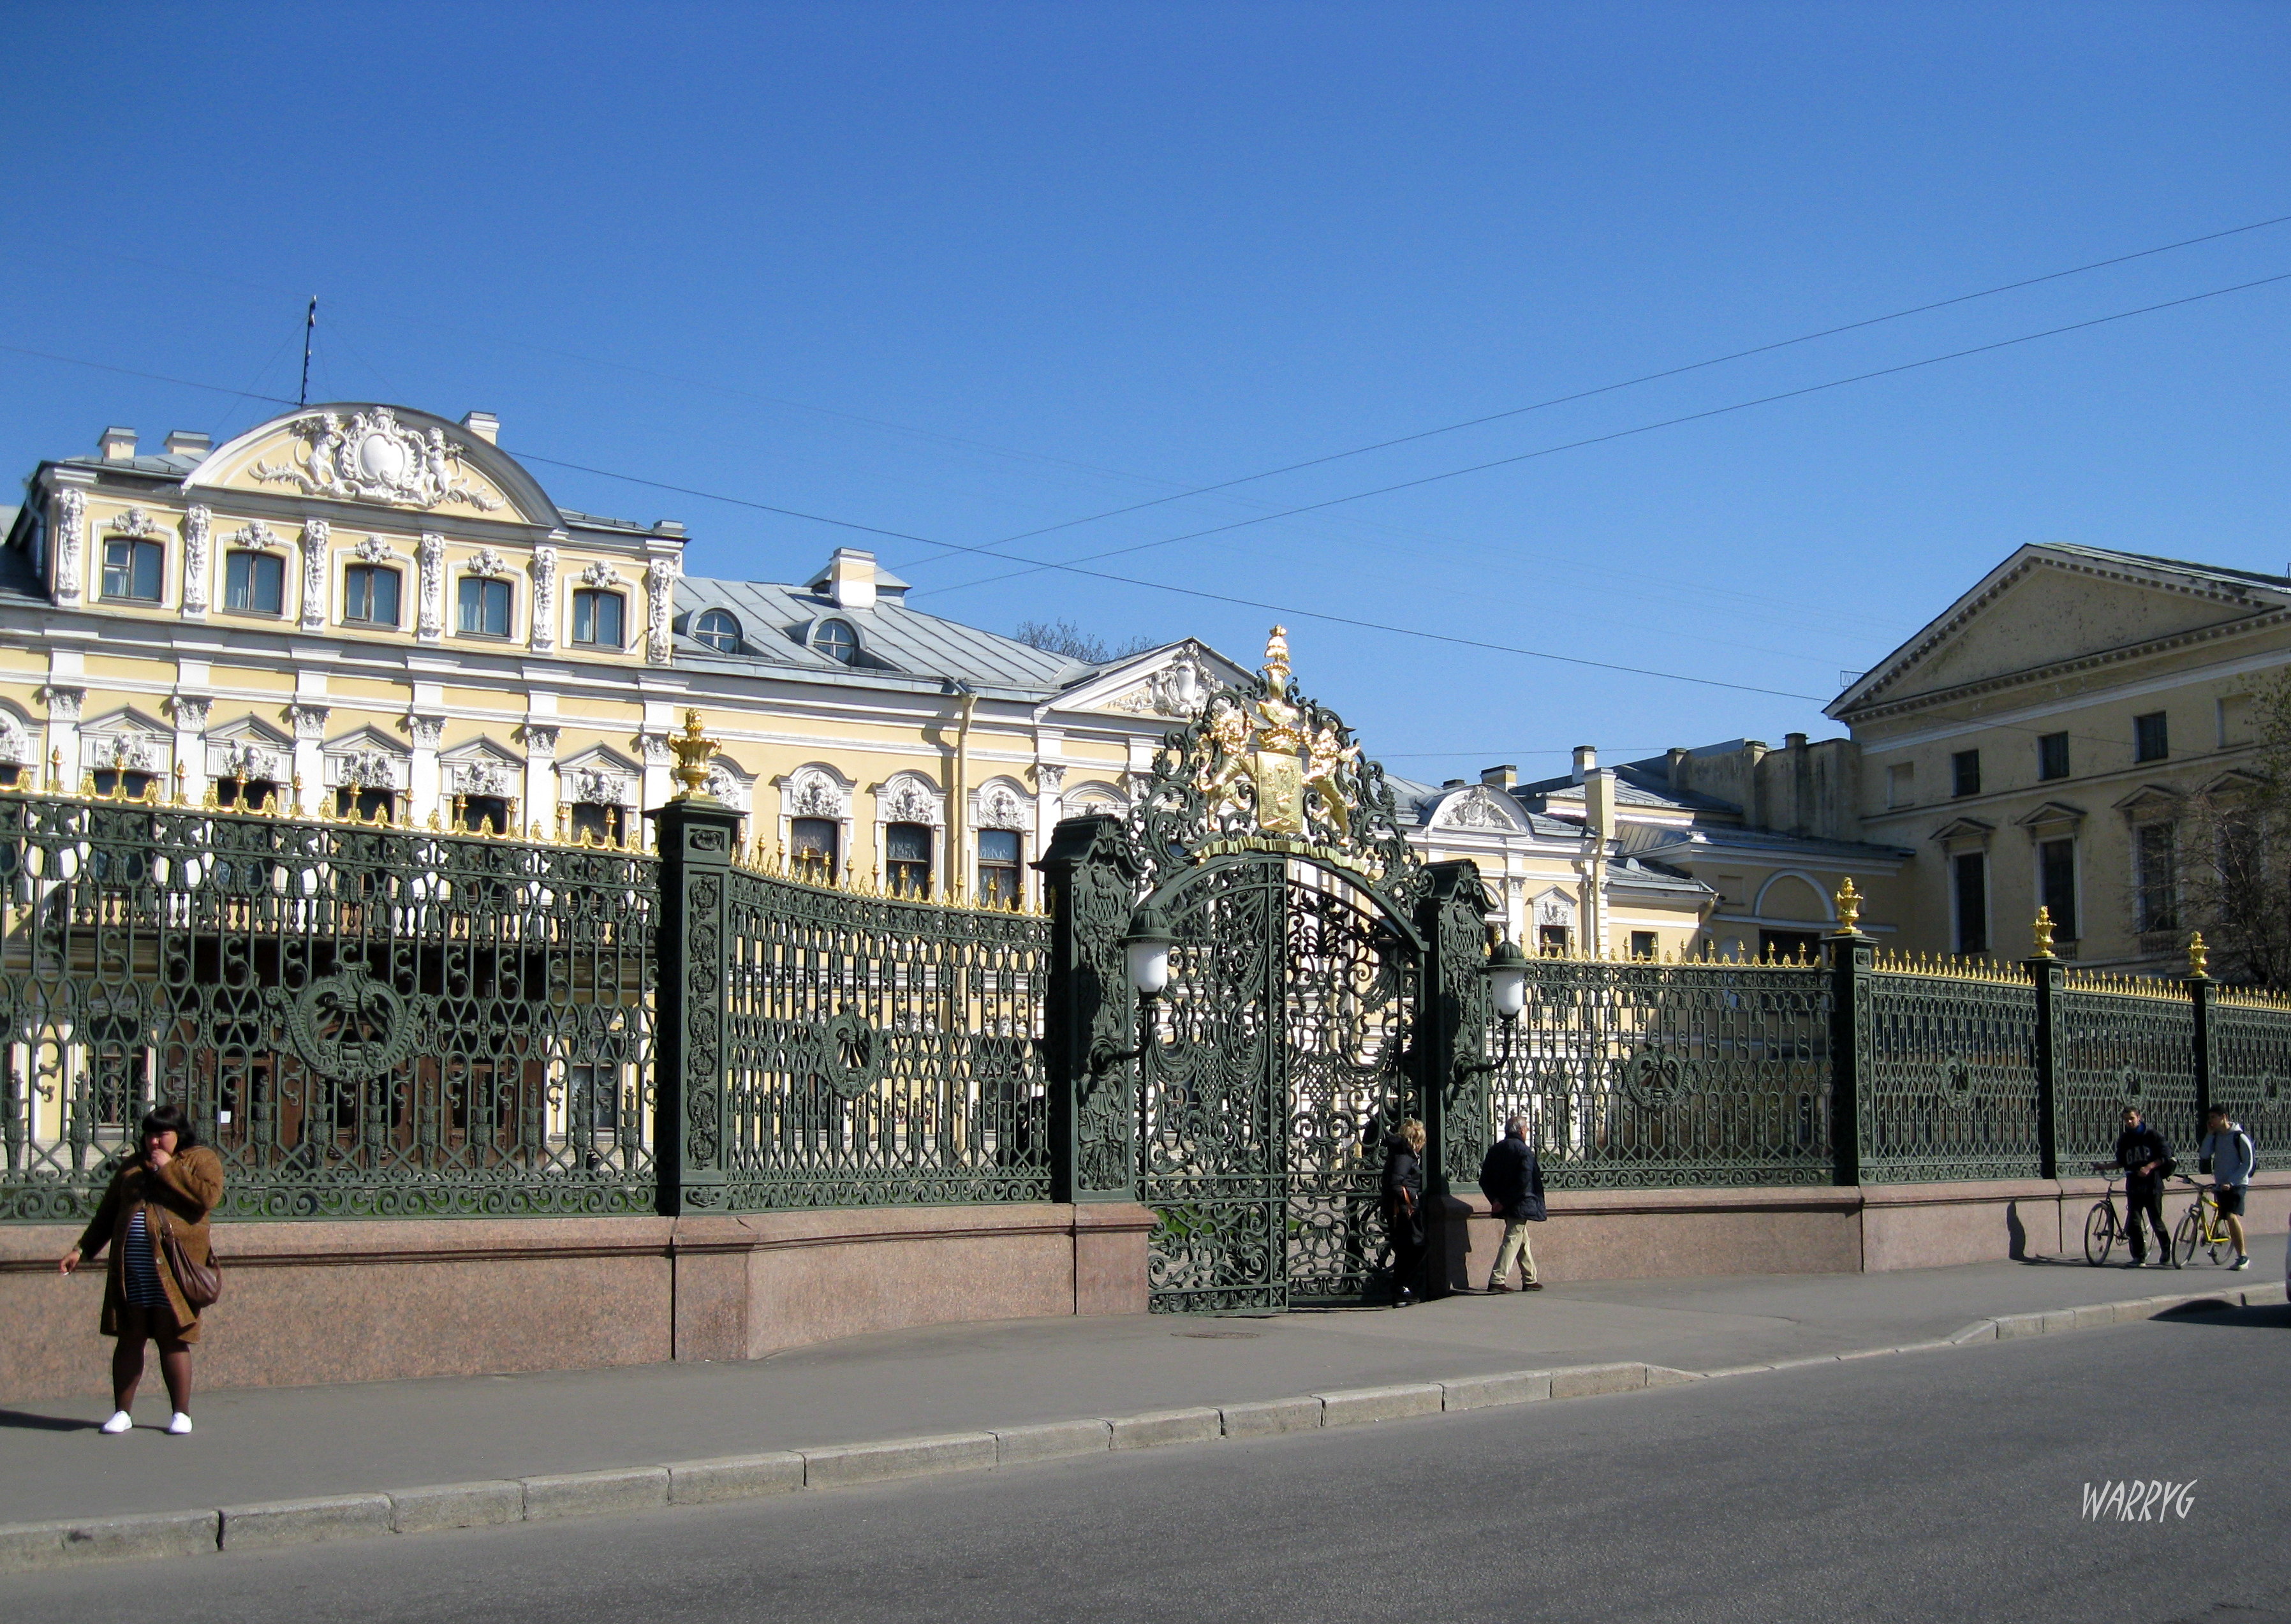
[{"x": 71, "y": 1542}]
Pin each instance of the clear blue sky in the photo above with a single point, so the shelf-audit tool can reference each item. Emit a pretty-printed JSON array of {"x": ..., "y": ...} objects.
[{"x": 967, "y": 271}]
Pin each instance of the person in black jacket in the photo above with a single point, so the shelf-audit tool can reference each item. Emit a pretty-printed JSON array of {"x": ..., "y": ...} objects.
[
  {"x": 2146, "y": 1160},
  {"x": 1512, "y": 1179},
  {"x": 1404, "y": 1208}
]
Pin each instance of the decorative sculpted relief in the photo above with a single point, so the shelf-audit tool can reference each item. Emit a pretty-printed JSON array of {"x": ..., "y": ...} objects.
[
  {"x": 133, "y": 522},
  {"x": 430, "y": 622},
  {"x": 544, "y": 598},
  {"x": 198, "y": 521},
  {"x": 71, "y": 529},
  {"x": 425, "y": 731},
  {"x": 660, "y": 596},
  {"x": 812, "y": 793},
  {"x": 600, "y": 574},
  {"x": 1179, "y": 690},
  {"x": 190, "y": 712},
  {"x": 595, "y": 787},
  {"x": 1001, "y": 807},
  {"x": 372, "y": 769},
  {"x": 254, "y": 533},
  {"x": 63, "y": 703},
  {"x": 15, "y": 742},
  {"x": 1474, "y": 808},
  {"x": 374, "y": 550},
  {"x": 487, "y": 561},
  {"x": 908, "y": 801},
  {"x": 314, "y": 574},
  {"x": 374, "y": 458}
]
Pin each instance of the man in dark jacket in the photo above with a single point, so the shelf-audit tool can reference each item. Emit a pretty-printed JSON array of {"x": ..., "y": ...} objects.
[
  {"x": 1404, "y": 1208},
  {"x": 2146, "y": 1160},
  {"x": 1512, "y": 1179}
]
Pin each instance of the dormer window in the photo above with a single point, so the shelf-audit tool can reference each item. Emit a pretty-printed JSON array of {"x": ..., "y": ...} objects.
[
  {"x": 836, "y": 640},
  {"x": 719, "y": 629}
]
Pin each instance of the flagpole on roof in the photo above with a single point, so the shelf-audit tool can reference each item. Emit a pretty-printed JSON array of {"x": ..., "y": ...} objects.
[{"x": 309, "y": 328}]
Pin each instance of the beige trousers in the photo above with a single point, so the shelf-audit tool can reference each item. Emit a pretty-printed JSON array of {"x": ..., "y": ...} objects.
[{"x": 1515, "y": 1247}]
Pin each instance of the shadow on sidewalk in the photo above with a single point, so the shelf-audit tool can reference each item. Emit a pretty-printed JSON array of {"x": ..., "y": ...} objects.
[{"x": 26, "y": 1420}]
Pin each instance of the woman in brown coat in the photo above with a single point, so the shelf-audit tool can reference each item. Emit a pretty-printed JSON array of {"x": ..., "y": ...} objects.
[{"x": 167, "y": 1187}]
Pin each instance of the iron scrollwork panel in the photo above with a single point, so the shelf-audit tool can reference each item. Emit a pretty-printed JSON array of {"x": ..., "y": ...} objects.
[
  {"x": 1949, "y": 1084},
  {"x": 1636, "y": 1074},
  {"x": 363, "y": 1021},
  {"x": 2251, "y": 1069},
  {"x": 2119, "y": 1050}
]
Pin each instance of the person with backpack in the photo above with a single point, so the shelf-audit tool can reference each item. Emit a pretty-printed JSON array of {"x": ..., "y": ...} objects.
[
  {"x": 2147, "y": 1162},
  {"x": 2226, "y": 1155}
]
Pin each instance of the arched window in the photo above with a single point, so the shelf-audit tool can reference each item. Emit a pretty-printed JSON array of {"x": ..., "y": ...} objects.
[
  {"x": 719, "y": 629},
  {"x": 836, "y": 640}
]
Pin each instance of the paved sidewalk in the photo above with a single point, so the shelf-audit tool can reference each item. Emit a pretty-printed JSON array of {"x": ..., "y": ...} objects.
[{"x": 274, "y": 1443}]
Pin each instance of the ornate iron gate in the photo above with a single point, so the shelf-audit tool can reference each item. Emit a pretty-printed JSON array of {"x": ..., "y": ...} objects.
[
  {"x": 1272, "y": 1070},
  {"x": 1249, "y": 1102}
]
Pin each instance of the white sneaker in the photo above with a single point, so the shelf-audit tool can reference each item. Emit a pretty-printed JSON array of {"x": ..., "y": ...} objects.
[
  {"x": 180, "y": 1426},
  {"x": 120, "y": 1422},
  {"x": 2241, "y": 1263}
]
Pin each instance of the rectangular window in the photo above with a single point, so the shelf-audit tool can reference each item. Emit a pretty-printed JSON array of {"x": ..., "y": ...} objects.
[
  {"x": 2157, "y": 852},
  {"x": 369, "y": 806},
  {"x": 131, "y": 569},
  {"x": 2057, "y": 886},
  {"x": 1902, "y": 784},
  {"x": 1965, "y": 769},
  {"x": 597, "y": 619},
  {"x": 483, "y": 813},
  {"x": 907, "y": 852},
  {"x": 1551, "y": 941},
  {"x": 128, "y": 785},
  {"x": 811, "y": 849},
  {"x": 370, "y": 595},
  {"x": 254, "y": 583},
  {"x": 998, "y": 868},
  {"x": 2053, "y": 756},
  {"x": 1644, "y": 945},
  {"x": 484, "y": 607},
  {"x": 2152, "y": 740},
  {"x": 1972, "y": 884},
  {"x": 599, "y": 825}
]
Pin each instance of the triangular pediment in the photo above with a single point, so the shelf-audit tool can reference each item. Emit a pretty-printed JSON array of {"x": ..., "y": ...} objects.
[
  {"x": 382, "y": 456},
  {"x": 1167, "y": 684},
  {"x": 2046, "y": 605}
]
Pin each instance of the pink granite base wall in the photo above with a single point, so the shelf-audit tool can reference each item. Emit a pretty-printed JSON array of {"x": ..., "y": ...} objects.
[
  {"x": 1628, "y": 1234},
  {"x": 320, "y": 1302}
]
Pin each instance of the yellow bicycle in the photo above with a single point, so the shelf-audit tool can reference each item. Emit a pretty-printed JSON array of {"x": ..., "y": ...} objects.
[{"x": 2201, "y": 1226}]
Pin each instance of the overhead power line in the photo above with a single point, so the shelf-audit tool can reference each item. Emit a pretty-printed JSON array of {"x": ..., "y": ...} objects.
[
  {"x": 1643, "y": 378},
  {"x": 1037, "y": 564},
  {"x": 1356, "y": 622}
]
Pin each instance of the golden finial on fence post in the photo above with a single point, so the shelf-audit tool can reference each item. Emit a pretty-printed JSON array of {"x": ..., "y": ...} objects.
[
  {"x": 2199, "y": 957},
  {"x": 2043, "y": 932},
  {"x": 179, "y": 776},
  {"x": 1849, "y": 906},
  {"x": 694, "y": 749}
]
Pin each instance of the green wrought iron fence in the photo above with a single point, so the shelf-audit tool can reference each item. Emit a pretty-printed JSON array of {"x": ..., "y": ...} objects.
[
  {"x": 364, "y": 1021},
  {"x": 1636, "y": 1073},
  {"x": 1949, "y": 1081},
  {"x": 2251, "y": 1067},
  {"x": 880, "y": 1050},
  {"x": 2123, "y": 1043}
]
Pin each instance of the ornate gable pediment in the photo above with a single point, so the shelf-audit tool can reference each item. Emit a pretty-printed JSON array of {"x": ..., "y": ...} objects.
[
  {"x": 1168, "y": 684},
  {"x": 2045, "y": 606},
  {"x": 380, "y": 456},
  {"x": 1479, "y": 808}
]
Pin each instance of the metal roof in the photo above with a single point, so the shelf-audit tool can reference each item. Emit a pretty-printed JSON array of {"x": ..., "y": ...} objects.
[{"x": 776, "y": 620}]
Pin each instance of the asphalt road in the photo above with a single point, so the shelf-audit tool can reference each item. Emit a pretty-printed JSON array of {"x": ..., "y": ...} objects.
[{"x": 1925, "y": 1487}]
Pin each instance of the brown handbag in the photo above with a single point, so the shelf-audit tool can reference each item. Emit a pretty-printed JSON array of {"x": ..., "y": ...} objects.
[{"x": 201, "y": 1284}]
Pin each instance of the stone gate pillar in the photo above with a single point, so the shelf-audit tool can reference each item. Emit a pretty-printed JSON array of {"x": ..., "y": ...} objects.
[{"x": 690, "y": 1066}]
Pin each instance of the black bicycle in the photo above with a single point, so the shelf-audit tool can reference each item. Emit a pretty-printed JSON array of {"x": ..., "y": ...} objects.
[{"x": 2103, "y": 1229}]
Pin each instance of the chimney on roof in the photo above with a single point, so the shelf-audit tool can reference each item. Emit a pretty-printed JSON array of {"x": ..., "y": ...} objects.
[
  {"x": 483, "y": 426},
  {"x": 1455, "y": 783},
  {"x": 1673, "y": 759},
  {"x": 851, "y": 578},
  {"x": 188, "y": 443},
  {"x": 668, "y": 527},
  {"x": 1500, "y": 777},
  {"x": 117, "y": 445},
  {"x": 1587, "y": 761}
]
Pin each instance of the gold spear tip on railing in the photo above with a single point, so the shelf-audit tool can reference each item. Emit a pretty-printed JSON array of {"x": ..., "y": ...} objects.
[
  {"x": 694, "y": 749},
  {"x": 2199, "y": 955},
  {"x": 2043, "y": 932},
  {"x": 1849, "y": 906}
]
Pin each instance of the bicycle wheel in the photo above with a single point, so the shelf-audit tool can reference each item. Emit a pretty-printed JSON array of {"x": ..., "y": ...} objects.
[
  {"x": 2100, "y": 1232},
  {"x": 2216, "y": 1245},
  {"x": 2184, "y": 1237}
]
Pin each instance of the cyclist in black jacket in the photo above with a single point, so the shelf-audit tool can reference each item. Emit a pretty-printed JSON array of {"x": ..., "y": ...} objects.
[{"x": 2146, "y": 1160}]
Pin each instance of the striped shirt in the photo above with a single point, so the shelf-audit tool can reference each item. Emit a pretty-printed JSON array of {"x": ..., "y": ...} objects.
[{"x": 143, "y": 1287}]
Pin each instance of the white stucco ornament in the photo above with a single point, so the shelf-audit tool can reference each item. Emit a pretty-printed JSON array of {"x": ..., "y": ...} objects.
[{"x": 376, "y": 458}]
